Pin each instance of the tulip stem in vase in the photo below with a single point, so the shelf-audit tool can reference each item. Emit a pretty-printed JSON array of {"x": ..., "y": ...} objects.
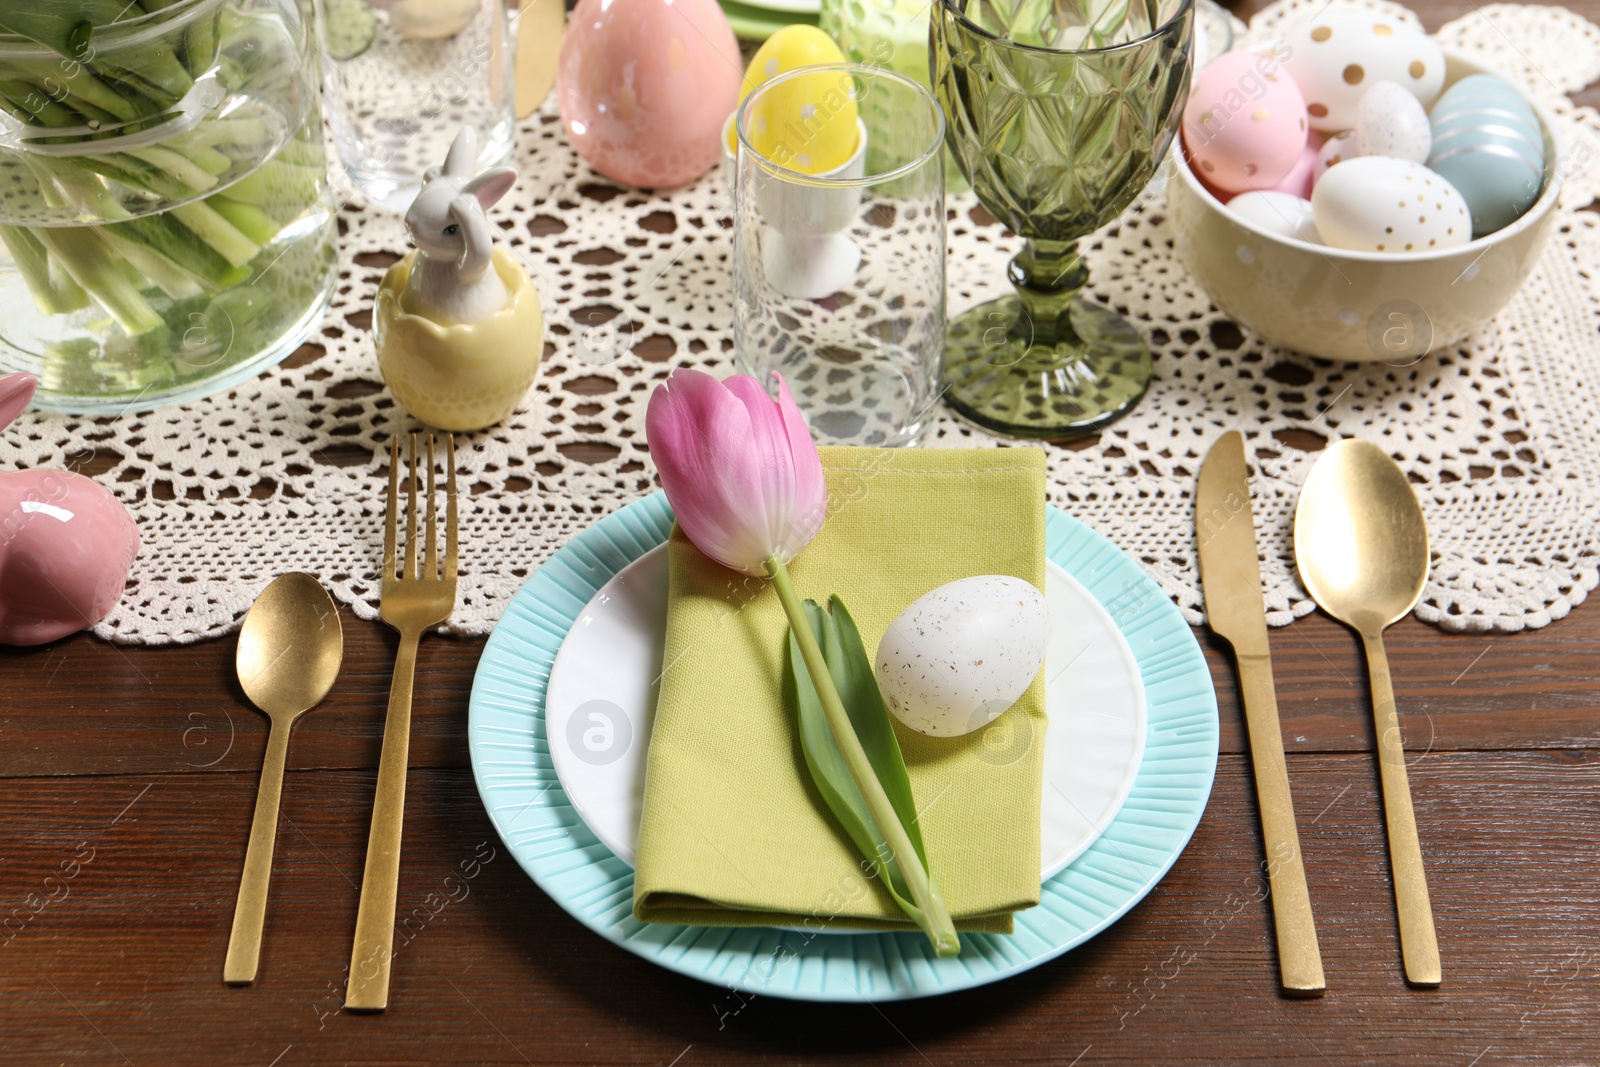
[{"x": 935, "y": 918}]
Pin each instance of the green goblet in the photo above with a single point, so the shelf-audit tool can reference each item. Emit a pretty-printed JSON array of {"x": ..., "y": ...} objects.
[{"x": 1058, "y": 112}]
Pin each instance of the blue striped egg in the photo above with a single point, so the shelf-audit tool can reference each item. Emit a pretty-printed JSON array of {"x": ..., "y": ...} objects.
[{"x": 1488, "y": 144}]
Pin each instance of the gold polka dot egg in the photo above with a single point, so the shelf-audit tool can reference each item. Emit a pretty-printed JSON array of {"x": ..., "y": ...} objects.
[
  {"x": 1378, "y": 204},
  {"x": 1337, "y": 55},
  {"x": 806, "y": 123},
  {"x": 1244, "y": 126}
]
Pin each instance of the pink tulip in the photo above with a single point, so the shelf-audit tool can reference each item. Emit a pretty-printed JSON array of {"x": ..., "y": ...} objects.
[
  {"x": 739, "y": 468},
  {"x": 745, "y": 480}
]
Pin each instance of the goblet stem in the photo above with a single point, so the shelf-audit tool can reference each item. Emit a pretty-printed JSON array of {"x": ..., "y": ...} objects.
[
  {"x": 1043, "y": 362},
  {"x": 1047, "y": 276}
]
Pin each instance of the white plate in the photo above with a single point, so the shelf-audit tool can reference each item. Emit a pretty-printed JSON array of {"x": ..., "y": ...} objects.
[{"x": 600, "y": 707}]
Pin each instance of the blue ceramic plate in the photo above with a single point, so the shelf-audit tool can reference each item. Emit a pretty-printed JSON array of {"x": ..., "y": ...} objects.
[{"x": 511, "y": 762}]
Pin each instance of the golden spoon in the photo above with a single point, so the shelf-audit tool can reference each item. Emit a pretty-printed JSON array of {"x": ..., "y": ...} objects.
[
  {"x": 1362, "y": 548},
  {"x": 290, "y": 650}
]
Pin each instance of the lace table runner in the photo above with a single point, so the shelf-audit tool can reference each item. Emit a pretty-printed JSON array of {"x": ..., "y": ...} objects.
[{"x": 1498, "y": 434}]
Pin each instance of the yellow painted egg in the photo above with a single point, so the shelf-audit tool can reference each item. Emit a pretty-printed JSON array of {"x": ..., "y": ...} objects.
[{"x": 807, "y": 124}]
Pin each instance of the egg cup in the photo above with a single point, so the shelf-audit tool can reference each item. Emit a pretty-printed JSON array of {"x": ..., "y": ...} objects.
[
  {"x": 807, "y": 253},
  {"x": 462, "y": 377}
]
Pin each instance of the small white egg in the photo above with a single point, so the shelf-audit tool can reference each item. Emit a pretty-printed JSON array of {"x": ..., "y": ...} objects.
[
  {"x": 1336, "y": 149},
  {"x": 1390, "y": 122},
  {"x": 1279, "y": 213},
  {"x": 1378, "y": 204},
  {"x": 959, "y": 656}
]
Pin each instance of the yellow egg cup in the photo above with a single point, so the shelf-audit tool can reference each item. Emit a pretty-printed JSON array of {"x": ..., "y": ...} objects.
[{"x": 462, "y": 377}]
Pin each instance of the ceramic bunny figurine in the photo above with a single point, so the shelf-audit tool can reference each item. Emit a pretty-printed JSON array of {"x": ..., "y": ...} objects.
[
  {"x": 457, "y": 324},
  {"x": 452, "y": 282},
  {"x": 65, "y": 544}
]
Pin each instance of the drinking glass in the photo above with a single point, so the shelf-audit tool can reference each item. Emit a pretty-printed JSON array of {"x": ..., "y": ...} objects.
[
  {"x": 839, "y": 275},
  {"x": 1059, "y": 115},
  {"x": 886, "y": 33},
  {"x": 402, "y": 77}
]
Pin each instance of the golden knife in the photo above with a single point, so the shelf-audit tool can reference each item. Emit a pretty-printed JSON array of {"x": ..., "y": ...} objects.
[
  {"x": 1230, "y": 575},
  {"x": 540, "y": 25}
]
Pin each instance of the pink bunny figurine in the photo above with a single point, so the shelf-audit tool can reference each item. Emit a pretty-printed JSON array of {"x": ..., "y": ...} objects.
[{"x": 65, "y": 544}]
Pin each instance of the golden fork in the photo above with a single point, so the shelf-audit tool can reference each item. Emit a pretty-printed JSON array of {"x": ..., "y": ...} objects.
[{"x": 411, "y": 600}]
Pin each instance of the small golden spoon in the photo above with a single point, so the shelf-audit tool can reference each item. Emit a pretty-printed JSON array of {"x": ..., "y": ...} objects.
[
  {"x": 1361, "y": 544},
  {"x": 290, "y": 649}
]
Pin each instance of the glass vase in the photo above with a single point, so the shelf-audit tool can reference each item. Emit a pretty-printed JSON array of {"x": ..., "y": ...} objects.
[{"x": 164, "y": 204}]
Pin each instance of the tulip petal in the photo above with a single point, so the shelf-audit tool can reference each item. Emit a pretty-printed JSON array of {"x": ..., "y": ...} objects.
[
  {"x": 699, "y": 435},
  {"x": 810, "y": 485},
  {"x": 774, "y": 462}
]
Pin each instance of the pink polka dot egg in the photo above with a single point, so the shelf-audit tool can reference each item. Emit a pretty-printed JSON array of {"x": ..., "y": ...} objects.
[{"x": 1244, "y": 126}]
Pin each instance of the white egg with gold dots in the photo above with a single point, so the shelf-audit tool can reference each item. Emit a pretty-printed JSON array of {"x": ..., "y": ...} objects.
[
  {"x": 1338, "y": 54},
  {"x": 1378, "y": 204}
]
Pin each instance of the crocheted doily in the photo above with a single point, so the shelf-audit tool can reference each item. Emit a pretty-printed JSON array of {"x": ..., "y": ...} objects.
[{"x": 287, "y": 472}]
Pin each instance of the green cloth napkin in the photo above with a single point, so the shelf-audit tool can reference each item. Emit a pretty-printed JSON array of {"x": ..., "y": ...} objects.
[{"x": 733, "y": 833}]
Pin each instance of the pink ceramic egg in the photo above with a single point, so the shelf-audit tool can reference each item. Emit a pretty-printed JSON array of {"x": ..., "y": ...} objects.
[
  {"x": 1298, "y": 181},
  {"x": 644, "y": 87},
  {"x": 1245, "y": 124},
  {"x": 65, "y": 544}
]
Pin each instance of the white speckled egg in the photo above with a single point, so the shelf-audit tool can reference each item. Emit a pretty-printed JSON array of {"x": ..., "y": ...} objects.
[
  {"x": 1390, "y": 122},
  {"x": 1337, "y": 56},
  {"x": 1279, "y": 213},
  {"x": 1244, "y": 125},
  {"x": 1336, "y": 149},
  {"x": 1488, "y": 142},
  {"x": 959, "y": 656},
  {"x": 1378, "y": 204}
]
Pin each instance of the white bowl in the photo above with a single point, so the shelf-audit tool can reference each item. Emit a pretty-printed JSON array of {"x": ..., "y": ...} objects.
[{"x": 1360, "y": 307}]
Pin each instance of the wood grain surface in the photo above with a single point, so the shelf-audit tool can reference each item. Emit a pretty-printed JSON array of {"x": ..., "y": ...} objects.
[{"x": 127, "y": 779}]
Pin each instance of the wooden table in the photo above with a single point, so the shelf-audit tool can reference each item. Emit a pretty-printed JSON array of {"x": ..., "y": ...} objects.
[{"x": 129, "y": 777}]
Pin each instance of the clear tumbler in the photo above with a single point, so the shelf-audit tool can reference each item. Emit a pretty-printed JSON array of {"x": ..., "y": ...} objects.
[
  {"x": 401, "y": 77},
  {"x": 839, "y": 275}
]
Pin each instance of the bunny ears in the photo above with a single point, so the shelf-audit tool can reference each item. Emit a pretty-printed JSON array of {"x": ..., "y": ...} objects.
[
  {"x": 459, "y": 162},
  {"x": 490, "y": 186}
]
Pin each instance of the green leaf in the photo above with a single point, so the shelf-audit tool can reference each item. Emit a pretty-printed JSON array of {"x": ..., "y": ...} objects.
[
  {"x": 53, "y": 290},
  {"x": 64, "y": 26},
  {"x": 94, "y": 267},
  {"x": 857, "y": 685},
  {"x": 852, "y": 676}
]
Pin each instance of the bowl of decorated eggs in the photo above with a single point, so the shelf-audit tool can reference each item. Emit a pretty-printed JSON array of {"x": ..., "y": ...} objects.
[{"x": 1356, "y": 193}]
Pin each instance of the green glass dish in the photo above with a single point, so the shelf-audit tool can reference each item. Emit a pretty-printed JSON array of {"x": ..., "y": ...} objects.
[{"x": 1058, "y": 114}]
